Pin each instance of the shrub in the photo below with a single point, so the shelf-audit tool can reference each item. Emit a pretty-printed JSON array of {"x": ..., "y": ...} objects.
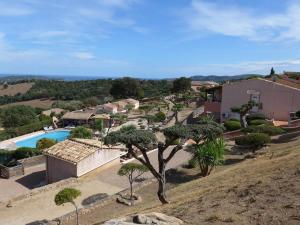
[
  {"x": 6, "y": 156},
  {"x": 298, "y": 114},
  {"x": 232, "y": 125},
  {"x": 253, "y": 139},
  {"x": 81, "y": 132},
  {"x": 45, "y": 143},
  {"x": 234, "y": 119},
  {"x": 256, "y": 116},
  {"x": 160, "y": 117},
  {"x": 267, "y": 129},
  {"x": 259, "y": 122},
  {"x": 24, "y": 152},
  {"x": 192, "y": 163}
]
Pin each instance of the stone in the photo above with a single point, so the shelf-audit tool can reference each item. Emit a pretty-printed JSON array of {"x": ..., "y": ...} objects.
[{"x": 146, "y": 219}]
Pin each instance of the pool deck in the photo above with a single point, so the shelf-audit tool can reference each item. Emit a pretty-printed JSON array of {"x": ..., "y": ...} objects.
[{"x": 10, "y": 144}]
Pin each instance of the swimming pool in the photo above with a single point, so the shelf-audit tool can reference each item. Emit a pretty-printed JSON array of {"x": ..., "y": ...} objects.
[{"x": 30, "y": 142}]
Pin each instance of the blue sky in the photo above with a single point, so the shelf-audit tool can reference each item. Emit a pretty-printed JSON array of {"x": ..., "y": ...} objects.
[{"x": 149, "y": 38}]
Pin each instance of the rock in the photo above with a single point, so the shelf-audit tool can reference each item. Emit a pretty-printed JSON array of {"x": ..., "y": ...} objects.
[{"x": 146, "y": 219}]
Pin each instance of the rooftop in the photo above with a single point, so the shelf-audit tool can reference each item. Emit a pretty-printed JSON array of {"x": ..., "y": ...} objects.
[
  {"x": 79, "y": 115},
  {"x": 75, "y": 150}
]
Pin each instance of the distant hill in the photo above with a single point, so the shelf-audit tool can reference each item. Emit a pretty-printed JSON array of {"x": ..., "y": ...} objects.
[
  {"x": 222, "y": 78},
  {"x": 17, "y": 78}
]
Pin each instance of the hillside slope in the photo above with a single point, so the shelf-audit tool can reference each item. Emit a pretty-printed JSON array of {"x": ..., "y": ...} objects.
[
  {"x": 260, "y": 190},
  {"x": 14, "y": 89}
]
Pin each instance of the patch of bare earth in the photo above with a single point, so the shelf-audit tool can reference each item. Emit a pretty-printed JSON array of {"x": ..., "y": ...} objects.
[
  {"x": 14, "y": 89},
  {"x": 263, "y": 190},
  {"x": 37, "y": 103}
]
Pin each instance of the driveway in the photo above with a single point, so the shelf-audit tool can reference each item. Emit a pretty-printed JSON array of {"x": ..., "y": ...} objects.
[{"x": 106, "y": 181}]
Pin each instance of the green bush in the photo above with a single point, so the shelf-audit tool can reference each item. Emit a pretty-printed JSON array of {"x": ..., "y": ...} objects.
[
  {"x": 259, "y": 122},
  {"x": 192, "y": 163},
  {"x": 267, "y": 129},
  {"x": 6, "y": 156},
  {"x": 253, "y": 139},
  {"x": 45, "y": 143},
  {"x": 234, "y": 119},
  {"x": 81, "y": 132},
  {"x": 24, "y": 152},
  {"x": 255, "y": 116},
  {"x": 232, "y": 125},
  {"x": 160, "y": 117}
]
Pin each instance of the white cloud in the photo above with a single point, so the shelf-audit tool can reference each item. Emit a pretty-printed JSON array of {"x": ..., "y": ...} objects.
[
  {"x": 261, "y": 67},
  {"x": 84, "y": 55},
  {"x": 235, "y": 21},
  {"x": 14, "y": 10}
]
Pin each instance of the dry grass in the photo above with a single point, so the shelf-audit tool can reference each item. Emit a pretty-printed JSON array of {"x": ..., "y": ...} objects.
[
  {"x": 263, "y": 190},
  {"x": 14, "y": 89},
  {"x": 37, "y": 103}
]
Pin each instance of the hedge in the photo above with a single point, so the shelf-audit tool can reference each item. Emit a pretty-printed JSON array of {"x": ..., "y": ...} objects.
[
  {"x": 232, "y": 125},
  {"x": 20, "y": 153},
  {"x": 256, "y": 116},
  {"x": 260, "y": 122},
  {"x": 253, "y": 140},
  {"x": 267, "y": 129},
  {"x": 234, "y": 119}
]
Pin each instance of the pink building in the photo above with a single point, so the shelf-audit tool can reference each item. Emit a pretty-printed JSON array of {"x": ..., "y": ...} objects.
[{"x": 275, "y": 100}]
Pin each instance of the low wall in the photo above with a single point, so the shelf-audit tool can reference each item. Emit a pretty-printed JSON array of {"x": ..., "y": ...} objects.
[
  {"x": 294, "y": 123},
  {"x": 8, "y": 172},
  {"x": 232, "y": 134},
  {"x": 33, "y": 161}
]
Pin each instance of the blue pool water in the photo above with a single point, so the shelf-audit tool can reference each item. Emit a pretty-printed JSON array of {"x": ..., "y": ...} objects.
[{"x": 56, "y": 135}]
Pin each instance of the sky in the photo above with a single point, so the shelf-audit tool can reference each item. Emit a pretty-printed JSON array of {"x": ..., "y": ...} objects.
[{"x": 149, "y": 38}]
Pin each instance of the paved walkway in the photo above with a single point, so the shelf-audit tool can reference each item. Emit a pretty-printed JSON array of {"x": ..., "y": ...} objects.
[{"x": 42, "y": 206}]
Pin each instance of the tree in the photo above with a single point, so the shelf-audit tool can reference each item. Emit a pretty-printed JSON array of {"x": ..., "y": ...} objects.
[
  {"x": 177, "y": 108},
  {"x": 19, "y": 115},
  {"x": 68, "y": 195},
  {"x": 99, "y": 125},
  {"x": 208, "y": 155},
  {"x": 143, "y": 140},
  {"x": 126, "y": 87},
  {"x": 5, "y": 85},
  {"x": 181, "y": 85},
  {"x": 243, "y": 110},
  {"x": 45, "y": 143},
  {"x": 132, "y": 171},
  {"x": 81, "y": 132},
  {"x": 272, "y": 72}
]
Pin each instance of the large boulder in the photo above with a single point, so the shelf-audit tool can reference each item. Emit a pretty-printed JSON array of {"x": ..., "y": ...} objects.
[{"x": 146, "y": 219}]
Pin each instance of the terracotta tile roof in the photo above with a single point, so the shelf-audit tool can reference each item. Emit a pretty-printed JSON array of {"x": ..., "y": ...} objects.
[
  {"x": 75, "y": 150},
  {"x": 78, "y": 115}
]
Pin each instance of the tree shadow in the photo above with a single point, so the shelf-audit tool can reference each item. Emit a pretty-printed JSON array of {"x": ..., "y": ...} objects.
[
  {"x": 285, "y": 138},
  {"x": 33, "y": 180},
  {"x": 43, "y": 222},
  {"x": 174, "y": 176},
  {"x": 231, "y": 161},
  {"x": 94, "y": 198}
]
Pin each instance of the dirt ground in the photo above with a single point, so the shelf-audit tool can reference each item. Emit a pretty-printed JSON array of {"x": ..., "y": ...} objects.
[
  {"x": 38, "y": 103},
  {"x": 264, "y": 189},
  {"x": 15, "y": 89}
]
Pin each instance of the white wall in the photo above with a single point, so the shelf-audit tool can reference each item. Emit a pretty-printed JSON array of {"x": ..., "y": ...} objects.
[{"x": 96, "y": 160}]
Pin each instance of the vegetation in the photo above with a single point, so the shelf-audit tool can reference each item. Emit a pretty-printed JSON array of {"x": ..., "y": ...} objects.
[
  {"x": 132, "y": 171},
  {"x": 298, "y": 114},
  {"x": 68, "y": 105},
  {"x": 259, "y": 122},
  {"x": 25, "y": 152},
  {"x": 243, "y": 110},
  {"x": 232, "y": 125},
  {"x": 81, "y": 132},
  {"x": 160, "y": 117},
  {"x": 68, "y": 195},
  {"x": 255, "y": 140},
  {"x": 126, "y": 87},
  {"x": 267, "y": 129},
  {"x": 176, "y": 109},
  {"x": 208, "y": 155},
  {"x": 181, "y": 85},
  {"x": 15, "y": 116},
  {"x": 99, "y": 125},
  {"x": 145, "y": 140},
  {"x": 255, "y": 116},
  {"x": 45, "y": 143}
]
